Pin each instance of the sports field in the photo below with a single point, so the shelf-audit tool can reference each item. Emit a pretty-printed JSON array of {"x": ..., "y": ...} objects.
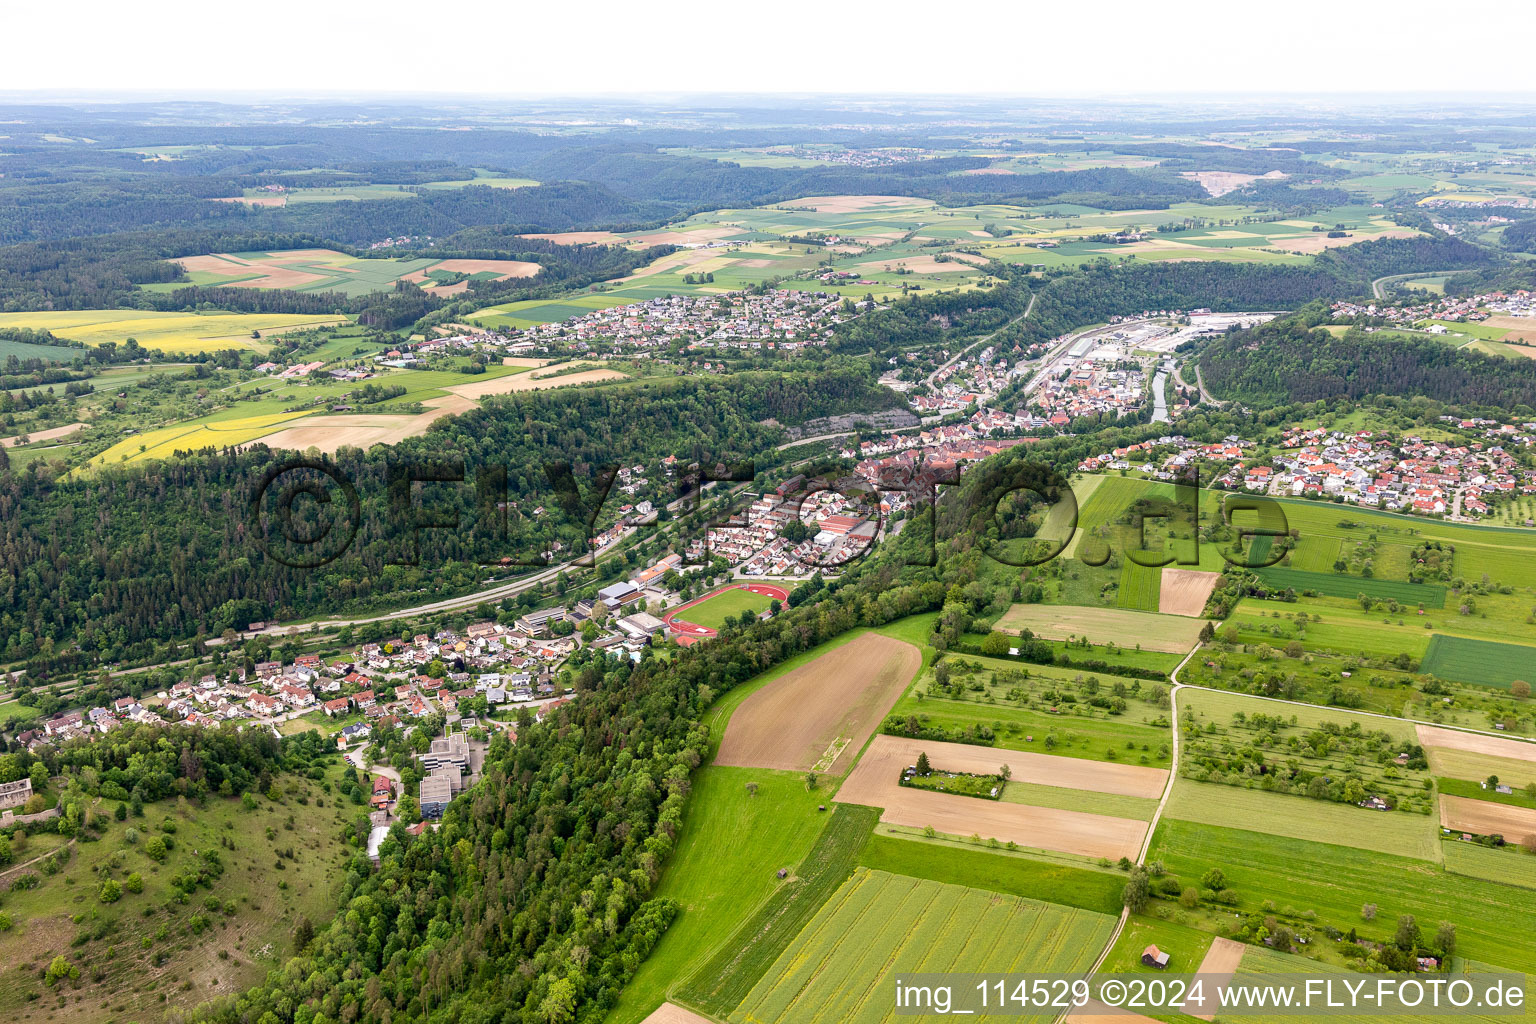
[
  {"x": 172, "y": 333},
  {"x": 841, "y": 967},
  {"x": 1171, "y": 634},
  {"x": 713, "y": 611},
  {"x": 1483, "y": 662}
]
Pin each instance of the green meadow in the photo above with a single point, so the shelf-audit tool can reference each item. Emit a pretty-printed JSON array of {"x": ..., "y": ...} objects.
[
  {"x": 840, "y": 967},
  {"x": 1336, "y": 881},
  {"x": 1299, "y": 817},
  {"x": 716, "y": 877},
  {"x": 1484, "y": 662},
  {"x": 1088, "y": 888}
]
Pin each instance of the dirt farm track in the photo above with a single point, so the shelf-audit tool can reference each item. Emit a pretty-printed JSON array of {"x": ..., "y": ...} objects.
[{"x": 815, "y": 714}]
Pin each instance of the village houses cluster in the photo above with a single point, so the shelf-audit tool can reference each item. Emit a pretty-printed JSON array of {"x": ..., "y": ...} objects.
[
  {"x": 965, "y": 382},
  {"x": 384, "y": 682},
  {"x": 1454, "y": 309},
  {"x": 1090, "y": 388},
  {"x": 1460, "y": 480},
  {"x": 785, "y": 320},
  {"x": 838, "y": 528}
]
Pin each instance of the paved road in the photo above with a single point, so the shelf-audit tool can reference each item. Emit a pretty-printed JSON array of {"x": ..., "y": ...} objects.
[
  {"x": 833, "y": 437},
  {"x": 1380, "y": 292},
  {"x": 491, "y": 594},
  {"x": 981, "y": 341},
  {"x": 1206, "y": 396}
]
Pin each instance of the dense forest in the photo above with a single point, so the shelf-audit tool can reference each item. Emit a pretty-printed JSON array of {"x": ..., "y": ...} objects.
[
  {"x": 164, "y": 550},
  {"x": 1521, "y": 237},
  {"x": 1292, "y": 360},
  {"x": 929, "y": 320}
]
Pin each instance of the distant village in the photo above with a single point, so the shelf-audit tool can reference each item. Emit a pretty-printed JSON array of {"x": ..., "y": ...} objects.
[
  {"x": 776, "y": 320},
  {"x": 1460, "y": 481},
  {"x": 1465, "y": 309}
]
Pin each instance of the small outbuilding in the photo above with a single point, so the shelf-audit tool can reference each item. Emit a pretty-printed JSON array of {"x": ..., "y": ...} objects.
[{"x": 1154, "y": 957}]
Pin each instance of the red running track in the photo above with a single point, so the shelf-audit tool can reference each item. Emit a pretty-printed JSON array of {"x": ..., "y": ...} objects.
[{"x": 691, "y": 632}]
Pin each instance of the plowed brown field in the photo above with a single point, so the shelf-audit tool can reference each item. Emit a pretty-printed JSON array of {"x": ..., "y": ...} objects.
[{"x": 840, "y": 697}]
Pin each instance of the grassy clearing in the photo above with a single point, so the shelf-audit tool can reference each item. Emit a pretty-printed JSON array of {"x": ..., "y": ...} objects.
[
  {"x": 1505, "y": 555},
  {"x": 1139, "y": 587},
  {"x": 949, "y": 841},
  {"x": 721, "y": 982},
  {"x": 1483, "y": 662},
  {"x": 840, "y": 968},
  {"x": 24, "y": 350},
  {"x": 1509, "y": 865},
  {"x": 1260, "y": 960},
  {"x": 1127, "y": 628},
  {"x": 1298, "y": 817},
  {"x": 1261, "y": 748},
  {"x": 1112, "y": 804},
  {"x": 716, "y": 877},
  {"x": 1475, "y": 791},
  {"x": 147, "y": 953},
  {"x": 1340, "y": 626},
  {"x": 1219, "y": 706},
  {"x": 1467, "y": 764},
  {"x": 1185, "y": 946},
  {"x": 1336, "y": 881},
  {"x": 1041, "y": 708}
]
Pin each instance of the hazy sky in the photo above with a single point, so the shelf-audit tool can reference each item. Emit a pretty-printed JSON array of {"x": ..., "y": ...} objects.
[{"x": 1020, "y": 48}]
